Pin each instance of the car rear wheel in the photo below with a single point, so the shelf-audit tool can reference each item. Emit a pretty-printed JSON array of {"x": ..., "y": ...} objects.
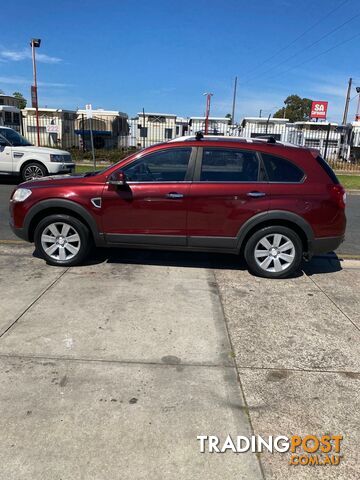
[
  {"x": 274, "y": 252},
  {"x": 62, "y": 240},
  {"x": 33, "y": 170}
]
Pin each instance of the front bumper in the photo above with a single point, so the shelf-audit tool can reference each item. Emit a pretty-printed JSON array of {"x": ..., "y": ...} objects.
[
  {"x": 20, "y": 232},
  {"x": 326, "y": 244},
  {"x": 54, "y": 168}
]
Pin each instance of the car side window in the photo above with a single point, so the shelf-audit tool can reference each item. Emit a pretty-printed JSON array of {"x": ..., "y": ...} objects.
[
  {"x": 280, "y": 170},
  {"x": 229, "y": 165},
  {"x": 163, "y": 166}
]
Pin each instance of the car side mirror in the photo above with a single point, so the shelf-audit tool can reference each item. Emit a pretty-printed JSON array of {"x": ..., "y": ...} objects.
[{"x": 117, "y": 178}]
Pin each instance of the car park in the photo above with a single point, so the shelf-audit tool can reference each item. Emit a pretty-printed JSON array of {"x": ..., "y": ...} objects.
[
  {"x": 272, "y": 203},
  {"x": 19, "y": 157}
]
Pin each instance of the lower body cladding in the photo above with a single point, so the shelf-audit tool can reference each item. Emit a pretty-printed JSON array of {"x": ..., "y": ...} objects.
[{"x": 209, "y": 244}]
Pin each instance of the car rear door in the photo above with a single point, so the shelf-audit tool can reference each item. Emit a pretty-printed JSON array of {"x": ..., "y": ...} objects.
[
  {"x": 151, "y": 209},
  {"x": 229, "y": 188}
]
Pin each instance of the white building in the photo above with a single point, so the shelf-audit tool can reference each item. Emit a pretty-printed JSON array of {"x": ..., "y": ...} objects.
[
  {"x": 10, "y": 112},
  {"x": 109, "y": 127},
  {"x": 355, "y": 150},
  {"x": 155, "y": 128},
  {"x": 56, "y": 127},
  {"x": 216, "y": 126},
  {"x": 252, "y": 127}
]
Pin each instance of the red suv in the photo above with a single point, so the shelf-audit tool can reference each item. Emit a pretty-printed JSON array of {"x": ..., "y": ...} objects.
[{"x": 271, "y": 202}]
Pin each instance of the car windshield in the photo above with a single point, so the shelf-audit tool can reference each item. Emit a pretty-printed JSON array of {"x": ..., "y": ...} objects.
[{"x": 14, "y": 138}]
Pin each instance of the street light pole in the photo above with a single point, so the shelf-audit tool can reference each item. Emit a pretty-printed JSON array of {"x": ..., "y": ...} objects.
[
  {"x": 35, "y": 43},
  {"x": 208, "y": 101}
]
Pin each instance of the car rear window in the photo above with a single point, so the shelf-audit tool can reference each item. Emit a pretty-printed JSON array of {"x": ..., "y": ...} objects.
[
  {"x": 325, "y": 166},
  {"x": 280, "y": 170}
]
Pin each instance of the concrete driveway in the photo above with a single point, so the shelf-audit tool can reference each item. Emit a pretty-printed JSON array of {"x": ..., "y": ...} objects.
[{"x": 111, "y": 370}]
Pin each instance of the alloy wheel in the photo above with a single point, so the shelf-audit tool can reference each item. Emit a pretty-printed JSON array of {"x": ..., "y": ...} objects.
[
  {"x": 33, "y": 171},
  {"x": 274, "y": 252},
  {"x": 60, "y": 241}
]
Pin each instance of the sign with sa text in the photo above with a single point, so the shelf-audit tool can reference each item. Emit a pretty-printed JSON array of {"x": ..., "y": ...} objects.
[{"x": 319, "y": 109}]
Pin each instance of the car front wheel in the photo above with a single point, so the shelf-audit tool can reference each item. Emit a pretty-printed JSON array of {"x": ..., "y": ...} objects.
[
  {"x": 62, "y": 240},
  {"x": 274, "y": 252},
  {"x": 33, "y": 170}
]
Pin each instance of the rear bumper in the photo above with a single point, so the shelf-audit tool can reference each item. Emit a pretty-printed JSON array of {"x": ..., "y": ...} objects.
[{"x": 326, "y": 244}]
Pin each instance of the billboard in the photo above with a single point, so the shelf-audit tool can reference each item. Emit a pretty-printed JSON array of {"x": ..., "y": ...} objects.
[{"x": 319, "y": 109}]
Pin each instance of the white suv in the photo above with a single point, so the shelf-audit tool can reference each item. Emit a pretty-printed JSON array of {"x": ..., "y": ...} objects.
[{"x": 20, "y": 157}]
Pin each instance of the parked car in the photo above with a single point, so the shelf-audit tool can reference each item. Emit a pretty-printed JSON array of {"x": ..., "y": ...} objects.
[
  {"x": 20, "y": 157},
  {"x": 273, "y": 203}
]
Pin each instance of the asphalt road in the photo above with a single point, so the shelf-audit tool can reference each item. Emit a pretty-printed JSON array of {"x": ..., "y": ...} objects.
[{"x": 351, "y": 245}]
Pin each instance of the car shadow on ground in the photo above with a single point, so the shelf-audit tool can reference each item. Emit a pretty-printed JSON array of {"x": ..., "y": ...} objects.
[
  {"x": 166, "y": 258},
  {"x": 328, "y": 263},
  {"x": 9, "y": 180},
  {"x": 321, "y": 264}
]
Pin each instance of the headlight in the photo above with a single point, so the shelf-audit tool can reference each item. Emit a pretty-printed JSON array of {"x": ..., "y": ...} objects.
[
  {"x": 60, "y": 158},
  {"x": 56, "y": 158},
  {"x": 21, "y": 194}
]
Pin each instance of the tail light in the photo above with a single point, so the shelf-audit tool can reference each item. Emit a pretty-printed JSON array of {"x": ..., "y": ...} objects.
[{"x": 339, "y": 194}]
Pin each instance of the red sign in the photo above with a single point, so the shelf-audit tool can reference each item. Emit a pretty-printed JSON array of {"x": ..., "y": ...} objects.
[
  {"x": 319, "y": 110},
  {"x": 33, "y": 97}
]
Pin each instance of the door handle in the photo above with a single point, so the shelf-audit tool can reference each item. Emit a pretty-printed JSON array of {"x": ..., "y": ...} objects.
[
  {"x": 174, "y": 195},
  {"x": 256, "y": 194}
]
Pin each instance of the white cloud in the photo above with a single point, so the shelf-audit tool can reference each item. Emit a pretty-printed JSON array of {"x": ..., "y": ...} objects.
[
  {"x": 26, "y": 81},
  {"x": 17, "y": 56}
]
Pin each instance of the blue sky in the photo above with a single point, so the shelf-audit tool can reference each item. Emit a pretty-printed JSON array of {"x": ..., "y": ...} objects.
[{"x": 162, "y": 55}]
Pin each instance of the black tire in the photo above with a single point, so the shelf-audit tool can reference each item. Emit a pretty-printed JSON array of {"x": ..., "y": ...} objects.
[
  {"x": 268, "y": 233},
  {"x": 76, "y": 227},
  {"x": 36, "y": 167}
]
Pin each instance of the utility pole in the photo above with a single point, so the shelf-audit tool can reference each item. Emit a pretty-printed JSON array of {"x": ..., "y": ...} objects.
[
  {"x": 234, "y": 102},
  {"x": 208, "y": 101},
  {"x": 35, "y": 43},
  {"x": 346, "y": 109},
  {"x": 260, "y": 112}
]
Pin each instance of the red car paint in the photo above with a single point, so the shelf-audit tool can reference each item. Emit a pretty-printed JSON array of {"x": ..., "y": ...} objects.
[{"x": 207, "y": 210}]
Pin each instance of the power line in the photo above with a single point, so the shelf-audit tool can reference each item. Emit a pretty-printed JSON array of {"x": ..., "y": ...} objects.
[
  {"x": 299, "y": 36},
  {"x": 315, "y": 56},
  {"x": 305, "y": 48}
]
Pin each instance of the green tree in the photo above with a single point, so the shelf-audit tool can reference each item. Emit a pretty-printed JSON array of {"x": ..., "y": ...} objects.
[
  {"x": 296, "y": 109},
  {"x": 229, "y": 116},
  {"x": 21, "y": 98}
]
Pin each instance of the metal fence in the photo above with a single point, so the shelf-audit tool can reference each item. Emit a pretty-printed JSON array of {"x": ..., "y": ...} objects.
[
  {"x": 70, "y": 130},
  {"x": 339, "y": 145}
]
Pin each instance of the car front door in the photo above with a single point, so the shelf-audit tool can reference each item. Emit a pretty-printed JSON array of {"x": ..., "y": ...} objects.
[
  {"x": 6, "y": 162},
  {"x": 151, "y": 208},
  {"x": 229, "y": 188}
]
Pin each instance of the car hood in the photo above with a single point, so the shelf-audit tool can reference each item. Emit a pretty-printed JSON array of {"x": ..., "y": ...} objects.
[
  {"x": 44, "y": 150},
  {"x": 54, "y": 181}
]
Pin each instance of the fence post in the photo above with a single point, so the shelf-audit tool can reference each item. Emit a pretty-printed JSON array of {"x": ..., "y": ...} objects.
[
  {"x": 83, "y": 132},
  {"x": 327, "y": 141}
]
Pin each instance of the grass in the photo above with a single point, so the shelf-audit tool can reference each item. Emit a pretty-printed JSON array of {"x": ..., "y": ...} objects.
[
  {"x": 111, "y": 156},
  {"x": 350, "y": 182},
  {"x": 87, "y": 168}
]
